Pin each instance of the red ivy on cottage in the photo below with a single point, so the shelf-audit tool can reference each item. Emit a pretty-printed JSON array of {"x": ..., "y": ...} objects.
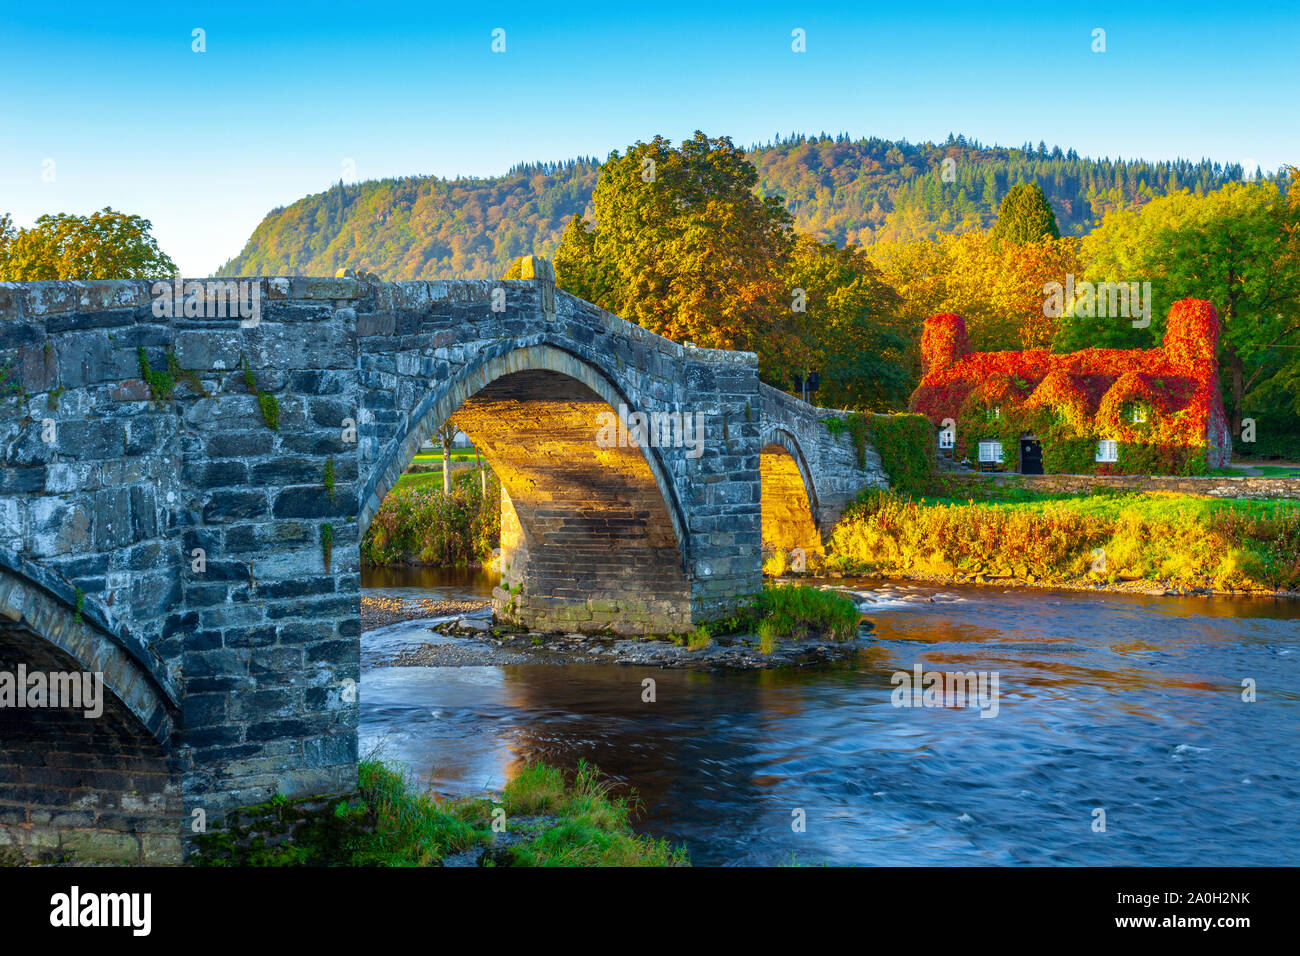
[{"x": 1089, "y": 395}]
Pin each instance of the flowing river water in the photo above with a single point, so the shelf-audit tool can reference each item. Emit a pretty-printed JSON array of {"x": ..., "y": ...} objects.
[{"x": 1131, "y": 705}]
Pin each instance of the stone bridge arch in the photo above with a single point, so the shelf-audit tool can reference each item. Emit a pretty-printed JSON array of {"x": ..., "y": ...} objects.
[
  {"x": 593, "y": 536},
  {"x": 34, "y": 601},
  {"x": 829, "y": 465}
]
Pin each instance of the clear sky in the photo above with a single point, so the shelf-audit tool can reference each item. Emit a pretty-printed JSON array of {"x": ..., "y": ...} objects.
[{"x": 205, "y": 144}]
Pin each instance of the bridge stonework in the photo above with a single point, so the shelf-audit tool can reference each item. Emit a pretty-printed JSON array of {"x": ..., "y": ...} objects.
[{"x": 156, "y": 529}]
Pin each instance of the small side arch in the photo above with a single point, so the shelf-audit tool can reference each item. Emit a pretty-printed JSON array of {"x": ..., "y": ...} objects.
[{"x": 789, "y": 496}]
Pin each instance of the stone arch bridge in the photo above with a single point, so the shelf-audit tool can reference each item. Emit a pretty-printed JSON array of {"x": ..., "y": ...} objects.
[{"x": 156, "y": 529}]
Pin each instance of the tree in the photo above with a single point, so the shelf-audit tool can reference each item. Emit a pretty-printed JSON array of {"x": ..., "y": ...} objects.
[
  {"x": 852, "y": 331},
  {"x": 996, "y": 287},
  {"x": 1025, "y": 215},
  {"x": 446, "y": 435},
  {"x": 1237, "y": 246},
  {"x": 682, "y": 245},
  {"x": 103, "y": 245}
]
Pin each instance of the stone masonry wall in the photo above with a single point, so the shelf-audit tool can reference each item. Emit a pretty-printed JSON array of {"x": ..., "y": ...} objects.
[{"x": 1231, "y": 486}]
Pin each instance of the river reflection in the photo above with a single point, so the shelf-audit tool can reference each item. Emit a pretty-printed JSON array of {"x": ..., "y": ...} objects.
[{"x": 1128, "y": 704}]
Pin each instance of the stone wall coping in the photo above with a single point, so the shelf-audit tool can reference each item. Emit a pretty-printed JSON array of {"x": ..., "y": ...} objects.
[
  {"x": 1008, "y": 476},
  {"x": 54, "y": 297}
]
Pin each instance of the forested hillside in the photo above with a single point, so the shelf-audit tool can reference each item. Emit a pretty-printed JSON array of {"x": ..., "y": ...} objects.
[
  {"x": 418, "y": 227},
  {"x": 848, "y": 191}
]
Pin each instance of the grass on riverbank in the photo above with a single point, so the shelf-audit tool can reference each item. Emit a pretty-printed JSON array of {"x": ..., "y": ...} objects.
[
  {"x": 435, "y": 457},
  {"x": 797, "y": 612},
  {"x": 1161, "y": 538},
  {"x": 392, "y": 823}
]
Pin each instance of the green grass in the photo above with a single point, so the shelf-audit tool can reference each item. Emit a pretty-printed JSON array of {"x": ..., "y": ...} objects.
[
  {"x": 698, "y": 639},
  {"x": 801, "y": 612},
  {"x": 457, "y": 454},
  {"x": 1275, "y": 471},
  {"x": 593, "y": 829},
  {"x": 424, "y": 479},
  {"x": 793, "y": 611},
  {"x": 1157, "y": 506},
  {"x": 391, "y": 823}
]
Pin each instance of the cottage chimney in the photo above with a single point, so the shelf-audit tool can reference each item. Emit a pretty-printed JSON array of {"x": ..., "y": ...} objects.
[{"x": 943, "y": 341}]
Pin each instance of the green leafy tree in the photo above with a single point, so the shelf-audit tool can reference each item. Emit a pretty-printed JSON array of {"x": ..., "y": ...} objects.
[
  {"x": 1025, "y": 216},
  {"x": 103, "y": 245},
  {"x": 852, "y": 332},
  {"x": 1238, "y": 247},
  {"x": 682, "y": 245}
]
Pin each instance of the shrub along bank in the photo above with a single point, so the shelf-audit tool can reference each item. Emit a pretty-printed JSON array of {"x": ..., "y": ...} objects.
[
  {"x": 904, "y": 442},
  {"x": 1161, "y": 539},
  {"x": 418, "y": 524}
]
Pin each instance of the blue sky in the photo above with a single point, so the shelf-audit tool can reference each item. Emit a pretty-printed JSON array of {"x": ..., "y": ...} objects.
[{"x": 204, "y": 144}]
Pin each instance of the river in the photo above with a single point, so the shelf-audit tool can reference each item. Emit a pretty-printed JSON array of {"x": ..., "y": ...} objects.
[{"x": 1126, "y": 704}]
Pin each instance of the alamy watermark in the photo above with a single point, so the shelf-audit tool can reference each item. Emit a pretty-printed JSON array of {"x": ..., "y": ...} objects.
[
  {"x": 1127, "y": 300},
  {"x": 918, "y": 688},
  {"x": 75, "y": 690},
  {"x": 626, "y": 429},
  {"x": 212, "y": 299},
  {"x": 74, "y": 909}
]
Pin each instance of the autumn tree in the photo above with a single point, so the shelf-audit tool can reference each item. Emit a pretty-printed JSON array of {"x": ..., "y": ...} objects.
[
  {"x": 996, "y": 286},
  {"x": 682, "y": 245},
  {"x": 103, "y": 245},
  {"x": 846, "y": 324}
]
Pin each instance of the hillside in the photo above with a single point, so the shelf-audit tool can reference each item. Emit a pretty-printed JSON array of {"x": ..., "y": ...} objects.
[{"x": 848, "y": 190}]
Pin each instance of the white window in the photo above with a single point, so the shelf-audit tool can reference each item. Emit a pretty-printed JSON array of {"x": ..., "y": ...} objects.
[
  {"x": 946, "y": 437},
  {"x": 995, "y": 413},
  {"x": 1107, "y": 450},
  {"x": 1139, "y": 413},
  {"x": 991, "y": 451}
]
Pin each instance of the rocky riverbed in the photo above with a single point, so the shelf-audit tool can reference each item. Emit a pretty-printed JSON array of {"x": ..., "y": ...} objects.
[
  {"x": 382, "y": 611},
  {"x": 474, "y": 639}
]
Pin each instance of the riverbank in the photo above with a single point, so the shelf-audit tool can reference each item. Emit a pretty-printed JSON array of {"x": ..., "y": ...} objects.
[
  {"x": 381, "y": 611},
  {"x": 538, "y": 819},
  {"x": 477, "y": 641},
  {"x": 418, "y": 524},
  {"x": 1032, "y": 582}
]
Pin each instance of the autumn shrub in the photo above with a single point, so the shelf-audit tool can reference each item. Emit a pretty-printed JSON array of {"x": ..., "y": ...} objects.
[{"x": 1158, "y": 537}]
